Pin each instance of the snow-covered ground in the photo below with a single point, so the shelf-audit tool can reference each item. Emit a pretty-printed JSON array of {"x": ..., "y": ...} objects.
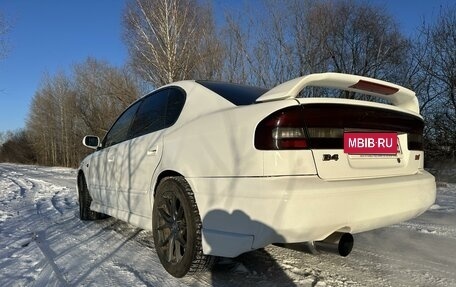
[{"x": 43, "y": 243}]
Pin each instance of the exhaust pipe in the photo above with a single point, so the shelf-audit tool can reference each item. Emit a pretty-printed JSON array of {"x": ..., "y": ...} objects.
[{"x": 338, "y": 243}]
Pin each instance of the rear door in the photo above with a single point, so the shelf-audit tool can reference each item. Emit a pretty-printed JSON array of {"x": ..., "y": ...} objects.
[
  {"x": 369, "y": 131},
  {"x": 145, "y": 149}
]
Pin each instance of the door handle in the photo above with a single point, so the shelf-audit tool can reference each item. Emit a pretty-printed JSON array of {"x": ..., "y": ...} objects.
[{"x": 152, "y": 151}]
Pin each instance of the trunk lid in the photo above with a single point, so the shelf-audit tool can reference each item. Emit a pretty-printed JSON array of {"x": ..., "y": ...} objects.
[{"x": 327, "y": 122}]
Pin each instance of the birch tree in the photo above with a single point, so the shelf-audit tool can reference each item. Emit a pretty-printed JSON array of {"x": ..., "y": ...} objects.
[
  {"x": 50, "y": 122},
  {"x": 170, "y": 40},
  {"x": 65, "y": 108}
]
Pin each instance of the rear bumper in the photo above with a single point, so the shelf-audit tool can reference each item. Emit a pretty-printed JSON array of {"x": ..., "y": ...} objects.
[{"x": 242, "y": 214}]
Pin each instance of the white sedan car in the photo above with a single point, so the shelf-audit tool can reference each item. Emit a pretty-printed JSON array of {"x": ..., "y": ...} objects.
[{"x": 218, "y": 169}]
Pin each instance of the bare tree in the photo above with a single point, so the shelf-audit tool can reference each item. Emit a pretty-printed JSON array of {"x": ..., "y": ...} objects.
[
  {"x": 238, "y": 40},
  {"x": 50, "y": 121},
  {"x": 102, "y": 92},
  {"x": 64, "y": 109},
  {"x": 170, "y": 40},
  {"x": 259, "y": 48},
  {"x": 440, "y": 59},
  {"x": 17, "y": 148},
  {"x": 436, "y": 59},
  {"x": 357, "y": 38},
  {"x": 274, "y": 62},
  {"x": 294, "y": 37}
]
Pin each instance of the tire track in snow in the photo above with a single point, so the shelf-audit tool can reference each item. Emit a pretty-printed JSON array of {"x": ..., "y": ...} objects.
[
  {"x": 42, "y": 204},
  {"x": 22, "y": 189},
  {"x": 46, "y": 204},
  {"x": 12, "y": 177},
  {"x": 54, "y": 202},
  {"x": 31, "y": 192}
]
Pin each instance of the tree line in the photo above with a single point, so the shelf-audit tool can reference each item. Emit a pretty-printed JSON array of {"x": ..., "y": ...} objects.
[{"x": 267, "y": 43}]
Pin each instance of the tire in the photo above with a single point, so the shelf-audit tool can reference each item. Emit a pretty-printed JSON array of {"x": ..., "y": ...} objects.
[
  {"x": 85, "y": 213},
  {"x": 177, "y": 229}
]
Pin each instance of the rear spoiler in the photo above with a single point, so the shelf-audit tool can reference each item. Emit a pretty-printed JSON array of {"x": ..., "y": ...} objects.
[{"x": 397, "y": 95}]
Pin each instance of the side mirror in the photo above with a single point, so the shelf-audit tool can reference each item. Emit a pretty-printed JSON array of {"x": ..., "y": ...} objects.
[{"x": 92, "y": 142}]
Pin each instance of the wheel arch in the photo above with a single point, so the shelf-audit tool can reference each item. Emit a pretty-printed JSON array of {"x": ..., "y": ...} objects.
[{"x": 162, "y": 175}]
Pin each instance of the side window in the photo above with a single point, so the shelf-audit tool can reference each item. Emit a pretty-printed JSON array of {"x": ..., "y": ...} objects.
[
  {"x": 176, "y": 101},
  {"x": 151, "y": 114},
  {"x": 119, "y": 131}
]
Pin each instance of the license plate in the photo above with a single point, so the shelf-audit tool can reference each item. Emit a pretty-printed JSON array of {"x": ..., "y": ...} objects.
[{"x": 370, "y": 143}]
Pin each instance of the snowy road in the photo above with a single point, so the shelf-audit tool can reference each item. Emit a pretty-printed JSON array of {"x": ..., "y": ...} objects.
[{"x": 43, "y": 243}]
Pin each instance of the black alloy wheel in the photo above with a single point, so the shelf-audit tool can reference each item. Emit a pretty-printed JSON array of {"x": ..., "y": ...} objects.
[{"x": 177, "y": 229}]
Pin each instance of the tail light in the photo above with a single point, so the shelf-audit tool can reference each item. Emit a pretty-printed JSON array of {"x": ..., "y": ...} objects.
[
  {"x": 322, "y": 126},
  {"x": 289, "y": 138},
  {"x": 283, "y": 129},
  {"x": 415, "y": 141}
]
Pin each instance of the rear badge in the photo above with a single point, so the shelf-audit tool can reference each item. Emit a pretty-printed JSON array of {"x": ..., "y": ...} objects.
[{"x": 328, "y": 157}]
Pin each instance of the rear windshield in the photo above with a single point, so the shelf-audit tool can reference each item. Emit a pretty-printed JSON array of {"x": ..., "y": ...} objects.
[{"x": 237, "y": 94}]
